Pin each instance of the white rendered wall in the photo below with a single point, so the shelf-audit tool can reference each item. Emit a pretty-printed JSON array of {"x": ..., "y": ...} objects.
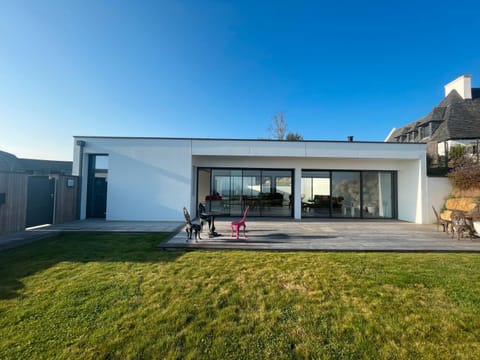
[
  {"x": 153, "y": 178},
  {"x": 438, "y": 190},
  {"x": 147, "y": 179},
  {"x": 306, "y": 149},
  {"x": 410, "y": 194}
]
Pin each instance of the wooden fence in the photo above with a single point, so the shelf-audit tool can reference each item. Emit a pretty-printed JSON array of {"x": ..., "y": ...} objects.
[
  {"x": 66, "y": 199},
  {"x": 13, "y": 204},
  {"x": 14, "y": 200}
]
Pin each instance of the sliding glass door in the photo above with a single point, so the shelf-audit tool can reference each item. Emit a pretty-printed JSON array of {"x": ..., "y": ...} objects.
[
  {"x": 346, "y": 190},
  {"x": 377, "y": 194},
  {"x": 315, "y": 194},
  {"x": 348, "y": 194},
  {"x": 267, "y": 192}
]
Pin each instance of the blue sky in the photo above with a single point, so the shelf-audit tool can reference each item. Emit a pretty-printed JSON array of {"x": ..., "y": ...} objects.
[{"x": 223, "y": 69}]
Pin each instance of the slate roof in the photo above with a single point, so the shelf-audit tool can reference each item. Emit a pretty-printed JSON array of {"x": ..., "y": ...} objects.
[
  {"x": 10, "y": 163},
  {"x": 457, "y": 118},
  {"x": 46, "y": 167}
]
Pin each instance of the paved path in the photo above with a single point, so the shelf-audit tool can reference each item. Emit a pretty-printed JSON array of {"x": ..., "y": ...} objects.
[
  {"x": 23, "y": 237},
  {"x": 92, "y": 225},
  {"x": 285, "y": 235}
]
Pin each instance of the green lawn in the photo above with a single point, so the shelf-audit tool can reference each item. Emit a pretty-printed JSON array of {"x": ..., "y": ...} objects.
[{"x": 87, "y": 296}]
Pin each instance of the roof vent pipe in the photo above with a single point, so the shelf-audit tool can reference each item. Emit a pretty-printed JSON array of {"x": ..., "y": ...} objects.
[{"x": 350, "y": 138}]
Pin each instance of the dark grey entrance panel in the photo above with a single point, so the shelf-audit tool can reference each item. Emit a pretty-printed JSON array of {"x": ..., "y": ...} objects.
[
  {"x": 98, "y": 202},
  {"x": 40, "y": 203},
  {"x": 97, "y": 186}
]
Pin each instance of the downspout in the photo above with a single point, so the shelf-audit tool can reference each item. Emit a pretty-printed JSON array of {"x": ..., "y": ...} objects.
[{"x": 81, "y": 145}]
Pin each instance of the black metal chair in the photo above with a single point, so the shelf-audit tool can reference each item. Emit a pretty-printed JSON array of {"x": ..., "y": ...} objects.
[
  {"x": 204, "y": 215},
  {"x": 191, "y": 228}
]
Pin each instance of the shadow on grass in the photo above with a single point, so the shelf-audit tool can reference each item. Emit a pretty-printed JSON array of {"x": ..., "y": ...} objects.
[{"x": 28, "y": 259}]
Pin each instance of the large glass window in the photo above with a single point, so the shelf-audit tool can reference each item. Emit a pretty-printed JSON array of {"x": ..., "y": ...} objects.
[
  {"x": 348, "y": 194},
  {"x": 276, "y": 196},
  {"x": 236, "y": 195},
  {"x": 219, "y": 195},
  {"x": 346, "y": 191},
  {"x": 315, "y": 193},
  {"x": 267, "y": 192},
  {"x": 377, "y": 194},
  {"x": 252, "y": 189}
]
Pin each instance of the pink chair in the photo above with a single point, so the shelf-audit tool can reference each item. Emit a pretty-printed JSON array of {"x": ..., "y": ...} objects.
[{"x": 236, "y": 225}]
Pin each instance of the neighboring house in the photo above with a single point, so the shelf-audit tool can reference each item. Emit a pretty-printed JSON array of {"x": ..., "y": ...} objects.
[
  {"x": 46, "y": 167},
  {"x": 154, "y": 178},
  {"x": 10, "y": 163},
  {"x": 455, "y": 120}
]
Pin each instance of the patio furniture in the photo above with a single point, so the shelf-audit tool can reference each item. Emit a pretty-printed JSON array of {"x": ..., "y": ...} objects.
[
  {"x": 191, "y": 228},
  {"x": 236, "y": 225},
  {"x": 209, "y": 217},
  {"x": 204, "y": 215},
  {"x": 461, "y": 224},
  {"x": 439, "y": 221}
]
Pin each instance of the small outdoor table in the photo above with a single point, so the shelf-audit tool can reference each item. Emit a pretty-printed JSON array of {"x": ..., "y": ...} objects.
[{"x": 211, "y": 215}]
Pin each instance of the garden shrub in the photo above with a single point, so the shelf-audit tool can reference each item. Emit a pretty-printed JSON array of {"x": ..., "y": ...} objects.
[{"x": 466, "y": 176}]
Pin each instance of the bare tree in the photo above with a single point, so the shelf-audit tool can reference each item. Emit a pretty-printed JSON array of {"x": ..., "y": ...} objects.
[{"x": 278, "y": 128}]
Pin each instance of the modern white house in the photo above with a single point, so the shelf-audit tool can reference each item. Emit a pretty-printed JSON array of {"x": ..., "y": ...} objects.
[{"x": 154, "y": 178}]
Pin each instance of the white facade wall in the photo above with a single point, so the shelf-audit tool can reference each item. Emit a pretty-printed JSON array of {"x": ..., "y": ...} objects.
[
  {"x": 153, "y": 178},
  {"x": 438, "y": 190},
  {"x": 147, "y": 179}
]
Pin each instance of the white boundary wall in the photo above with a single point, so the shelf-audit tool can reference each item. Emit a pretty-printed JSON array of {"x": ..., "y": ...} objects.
[
  {"x": 438, "y": 190},
  {"x": 153, "y": 178}
]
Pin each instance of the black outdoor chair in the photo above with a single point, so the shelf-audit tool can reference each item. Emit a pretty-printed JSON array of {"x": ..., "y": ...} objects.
[
  {"x": 191, "y": 228},
  {"x": 204, "y": 215}
]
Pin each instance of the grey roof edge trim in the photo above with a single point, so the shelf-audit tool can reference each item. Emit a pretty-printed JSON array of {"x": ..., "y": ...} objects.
[{"x": 231, "y": 139}]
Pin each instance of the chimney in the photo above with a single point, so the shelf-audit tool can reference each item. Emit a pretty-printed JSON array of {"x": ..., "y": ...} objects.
[{"x": 463, "y": 85}]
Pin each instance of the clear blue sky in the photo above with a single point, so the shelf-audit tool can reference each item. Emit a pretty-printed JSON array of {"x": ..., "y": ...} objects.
[{"x": 224, "y": 68}]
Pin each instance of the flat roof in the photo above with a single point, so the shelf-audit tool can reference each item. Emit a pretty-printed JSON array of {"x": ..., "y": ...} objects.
[{"x": 233, "y": 139}]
